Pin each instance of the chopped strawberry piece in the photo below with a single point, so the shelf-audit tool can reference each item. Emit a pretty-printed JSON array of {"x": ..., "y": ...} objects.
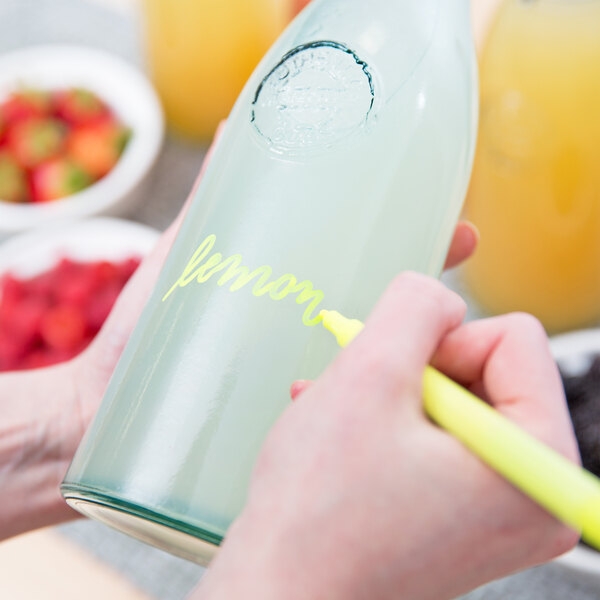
[
  {"x": 63, "y": 328},
  {"x": 26, "y": 320},
  {"x": 67, "y": 269},
  {"x": 13, "y": 180},
  {"x": 80, "y": 107},
  {"x": 57, "y": 179},
  {"x": 100, "y": 306},
  {"x": 3, "y": 130},
  {"x": 38, "y": 359},
  {"x": 13, "y": 290},
  {"x": 34, "y": 141},
  {"x": 77, "y": 291},
  {"x": 128, "y": 267},
  {"x": 45, "y": 357},
  {"x": 69, "y": 277},
  {"x": 19, "y": 329},
  {"x": 97, "y": 147},
  {"x": 26, "y": 104},
  {"x": 11, "y": 352},
  {"x": 41, "y": 286},
  {"x": 105, "y": 272}
]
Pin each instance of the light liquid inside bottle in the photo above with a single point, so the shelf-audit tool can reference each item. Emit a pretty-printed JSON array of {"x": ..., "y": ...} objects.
[{"x": 343, "y": 163}]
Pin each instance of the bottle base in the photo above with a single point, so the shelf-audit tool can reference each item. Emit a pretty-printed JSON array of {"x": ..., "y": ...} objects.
[{"x": 175, "y": 537}]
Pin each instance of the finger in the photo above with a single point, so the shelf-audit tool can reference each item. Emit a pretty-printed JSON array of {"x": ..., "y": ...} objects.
[
  {"x": 464, "y": 242},
  {"x": 298, "y": 387},
  {"x": 402, "y": 333},
  {"x": 518, "y": 339},
  {"x": 509, "y": 359}
]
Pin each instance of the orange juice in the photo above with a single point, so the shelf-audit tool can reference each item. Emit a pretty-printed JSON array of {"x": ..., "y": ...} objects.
[
  {"x": 535, "y": 190},
  {"x": 201, "y": 52}
]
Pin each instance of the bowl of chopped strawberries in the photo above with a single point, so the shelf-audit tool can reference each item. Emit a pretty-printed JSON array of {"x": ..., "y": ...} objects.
[
  {"x": 79, "y": 132},
  {"x": 58, "y": 286}
]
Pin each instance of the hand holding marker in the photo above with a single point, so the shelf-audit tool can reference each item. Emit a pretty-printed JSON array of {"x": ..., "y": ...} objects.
[{"x": 568, "y": 492}]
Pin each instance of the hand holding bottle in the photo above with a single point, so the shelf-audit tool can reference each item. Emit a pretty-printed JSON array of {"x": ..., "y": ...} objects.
[{"x": 399, "y": 507}]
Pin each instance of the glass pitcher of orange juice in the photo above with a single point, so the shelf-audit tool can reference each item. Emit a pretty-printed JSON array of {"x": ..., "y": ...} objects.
[
  {"x": 535, "y": 190},
  {"x": 201, "y": 52}
]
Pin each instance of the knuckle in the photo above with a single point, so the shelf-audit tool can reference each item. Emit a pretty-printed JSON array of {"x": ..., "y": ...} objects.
[
  {"x": 429, "y": 292},
  {"x": 544, "y": 428},
  {"x": 376, "y": 372},
  {"x": 526, "y": 324},
  {"x": 546, "y": 538},
  {"x": 375, "y": 363},
  {"x": 417, "y": 282},
  {"x": 565, "y": 539},
  {"x": 556, "y": 432},
  {"x": 556, "y": 540}
]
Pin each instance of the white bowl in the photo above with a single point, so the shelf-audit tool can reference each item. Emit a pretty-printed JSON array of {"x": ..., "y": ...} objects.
[
  {"x": 574, "y": 352},
  {"x": 34, "y": 252},
  {"x": 130, "y": 96}
]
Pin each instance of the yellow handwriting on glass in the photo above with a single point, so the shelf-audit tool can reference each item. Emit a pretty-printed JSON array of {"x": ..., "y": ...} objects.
[{"x": 203, "y": 265}]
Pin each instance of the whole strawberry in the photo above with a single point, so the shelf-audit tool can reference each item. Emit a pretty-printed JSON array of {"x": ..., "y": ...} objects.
[
  {"x": 3, "y": 130},
  {"x": 56, "y": 179},
  {"x": 97, "y": 147},
  {"x": 26, "y": 104},
  {"x": 13, "y": 181},
  {"x": 79, "y": 107},
  {"x": 33, "y": 141},
  {"x": 63, "y": 328}
]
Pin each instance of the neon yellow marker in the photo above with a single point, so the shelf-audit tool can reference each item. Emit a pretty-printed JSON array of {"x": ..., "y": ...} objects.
[{"x": 565, "y": 490}]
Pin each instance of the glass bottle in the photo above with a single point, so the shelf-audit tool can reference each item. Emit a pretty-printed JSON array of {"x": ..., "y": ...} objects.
[
  {"x": 535, "y": 190},
  {"x": 345, "y": 160}
]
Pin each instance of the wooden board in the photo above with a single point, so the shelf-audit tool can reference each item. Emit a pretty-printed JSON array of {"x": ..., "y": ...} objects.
[{"x": 45, "y": 565}]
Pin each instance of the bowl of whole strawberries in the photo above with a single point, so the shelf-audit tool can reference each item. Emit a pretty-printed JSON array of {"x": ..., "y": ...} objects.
[
  {"x": 58, "y": 286},
  {"x": 79, "y": 132}
]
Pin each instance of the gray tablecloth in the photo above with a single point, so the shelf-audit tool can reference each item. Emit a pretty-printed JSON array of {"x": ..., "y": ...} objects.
[{"x": 26, "y": 22}]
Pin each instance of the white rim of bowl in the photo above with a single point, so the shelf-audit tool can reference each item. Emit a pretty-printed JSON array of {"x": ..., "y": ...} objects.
[
  {"x": 72, "y": 65},
  {"x": 33, "y": 252},
  {"x": 565, "y": 346}
]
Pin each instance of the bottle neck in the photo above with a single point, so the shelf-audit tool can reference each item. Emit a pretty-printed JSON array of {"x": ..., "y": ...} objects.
[{"x": 457, "y": 12}]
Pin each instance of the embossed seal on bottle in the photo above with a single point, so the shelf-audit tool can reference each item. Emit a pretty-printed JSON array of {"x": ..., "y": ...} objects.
[{"x": 318, "y": 95}]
